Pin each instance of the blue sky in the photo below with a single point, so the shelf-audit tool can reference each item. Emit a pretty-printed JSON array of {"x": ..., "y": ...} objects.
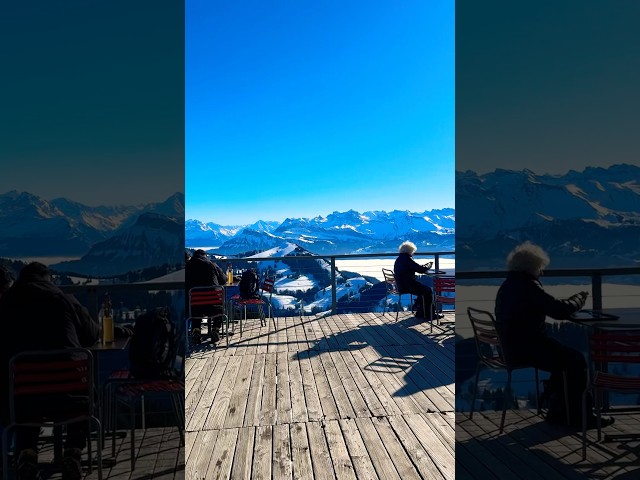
[
  {"x": 92, "y": 100},
  {"x": 548, "y": 86},
  {"x": 298, "y": 109}
]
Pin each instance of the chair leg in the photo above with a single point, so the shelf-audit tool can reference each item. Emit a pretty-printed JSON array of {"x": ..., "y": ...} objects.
[
  {"x": 227, "y": 331},
  {"x": 475, "y": 391},
  {"x": 99, "y": 446},
  {"x": 507, "y": 392},
  {"x": 90, "y": 466},
  {"x": 565, "y": 385},
  {"x": 584, "y": 424},
  {"x": 133, "y": 434},
  {"x": 5, "y": 453},
  {"x": 178, "y": 411},
  {"x": 398, "y": 306},
  {"x": 539, "y": 407}
]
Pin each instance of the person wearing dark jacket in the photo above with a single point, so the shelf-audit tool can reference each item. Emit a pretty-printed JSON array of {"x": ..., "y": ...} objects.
[
  {"x": 521, "y": 308},
  {"x": 37, "y": 315},
  {"x": 202, "y": 272},
  {"x": 405, "y": 269}
]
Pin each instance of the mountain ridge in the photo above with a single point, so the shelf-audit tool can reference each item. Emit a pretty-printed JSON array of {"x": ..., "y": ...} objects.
[{"x": 337, "y": 233}]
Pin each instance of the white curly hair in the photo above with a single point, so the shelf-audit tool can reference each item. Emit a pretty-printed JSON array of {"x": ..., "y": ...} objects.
[
  {"x": 407, "y": 247},
  {"x": 528, "y": 258}
]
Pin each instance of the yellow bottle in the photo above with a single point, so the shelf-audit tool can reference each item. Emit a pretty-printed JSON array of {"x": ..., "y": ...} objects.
[
  {"x": 107, "y": 329},
  {"x": 229, "y": 275}
]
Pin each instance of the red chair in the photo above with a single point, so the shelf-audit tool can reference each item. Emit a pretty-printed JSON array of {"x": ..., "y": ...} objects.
[
  {"x": 210, "y": 302},
  {"x": 609, "y": 347},
  {"x": 129, "y": 391},
  {"x": 442, "y": 286},
  {"x": 39, "y": 377},
  {"x": 266, "y": 292}
]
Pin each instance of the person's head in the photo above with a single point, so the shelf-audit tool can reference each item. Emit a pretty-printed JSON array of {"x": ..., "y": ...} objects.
[
  {"x": 407, "y": 247},
  {"x": 200, "y": 253},
  {"x": 6, "y": 279},
  {"x": 528, "y": 258},
  {"x": 35, "y": 271}
]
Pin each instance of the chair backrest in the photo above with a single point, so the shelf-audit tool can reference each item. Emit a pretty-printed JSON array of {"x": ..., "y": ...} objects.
[
  {"x": 390, "y": 281},
  {"x": 211, "y": 296},
  {"x": 487, "y": 338},
  {"x": 444, "y": 284},
  {"x": 613, "y": 346},
  {"x": 267, "y": 285},
  {"x": 37, "y": 374}
]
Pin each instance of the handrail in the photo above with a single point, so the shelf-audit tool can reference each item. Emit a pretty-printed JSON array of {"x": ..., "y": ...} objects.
[
  {"x": 332, "y": 261},
  {"x": 95, "y": 290},
  {"x": 596, "y": 275}
]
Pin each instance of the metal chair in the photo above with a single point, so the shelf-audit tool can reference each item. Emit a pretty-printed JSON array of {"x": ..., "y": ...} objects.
[
  {"x": 442, "y": 285},
  {"x": 606, "y": 347},
  {"x": 266, "y": 292},
  {"x": 129, "y": 391},
  {"x": 491, "y": 355},
  {"x": 392, "y": 289},
  {"x": 47, "y": 378},
  {"x": 209, "y": 302}
]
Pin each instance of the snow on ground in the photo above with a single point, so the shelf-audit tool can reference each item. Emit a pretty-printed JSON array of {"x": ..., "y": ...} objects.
[
  {"x": 323, "y": 297},
  {"x": 285, "y": 302},
  {"x": 302, "y": 283}
]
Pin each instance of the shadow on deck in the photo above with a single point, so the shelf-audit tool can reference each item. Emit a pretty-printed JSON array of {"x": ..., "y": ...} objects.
[
  {"x": 531, "y": 448},
  {"x": 333, "y": 396}
]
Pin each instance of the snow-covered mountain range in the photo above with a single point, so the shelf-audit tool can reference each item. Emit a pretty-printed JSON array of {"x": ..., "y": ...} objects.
[
  {"x": 109, "y": 239},
  {"x": 337, "y": 233},
  {"x": 588, "y": 218},
  {"x": 304, "y": 282}
]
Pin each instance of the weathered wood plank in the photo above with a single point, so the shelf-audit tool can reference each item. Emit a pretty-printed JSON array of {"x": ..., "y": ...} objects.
[
  {"x": 262, "y": 456},
  {"x": 283, "y": 395},
  {"x": 342, "y": 465},
  {"x": 222, "y": 455},
  {"x": 300, "y": 454},
  {"x": 322, "y": 466},
  {"x": 239, "y": 396},
  {"x": 243, "y": 458},
  {"x": 282, "y": 468},
  {"x": 254, "y": 396},
  {"x": 358, "y": 453}
]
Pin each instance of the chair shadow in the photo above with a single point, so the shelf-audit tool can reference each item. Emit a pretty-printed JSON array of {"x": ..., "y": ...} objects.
[
  {"x": 518, "y": 447},
  {"x": 414, "y": 358}
]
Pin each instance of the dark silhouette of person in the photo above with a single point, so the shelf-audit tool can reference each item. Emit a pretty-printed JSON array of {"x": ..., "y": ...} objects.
[
  {"x": 6, "y": 279},
  {"x": 37, "y": 315},
  {"x": 405, "y": 269},
  {"x": 202, "y": 272},
  {"x": 521, "y": 308}
]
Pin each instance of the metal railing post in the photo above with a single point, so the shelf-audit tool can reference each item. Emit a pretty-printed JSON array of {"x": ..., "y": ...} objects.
[
  {"x": 596, "y": 290},
  {"x": 334, "y": 301},
  {"x": 436, "y": 262}
]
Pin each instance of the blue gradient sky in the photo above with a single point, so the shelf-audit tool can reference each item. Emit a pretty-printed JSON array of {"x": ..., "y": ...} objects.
[
  {"x": 548, "y": 86},
  {"x": 304, "y": 108},
  {"x": 92, "y": 100}
]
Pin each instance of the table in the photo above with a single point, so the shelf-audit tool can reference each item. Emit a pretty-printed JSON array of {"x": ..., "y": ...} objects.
[{"x": 629, "y": 320}]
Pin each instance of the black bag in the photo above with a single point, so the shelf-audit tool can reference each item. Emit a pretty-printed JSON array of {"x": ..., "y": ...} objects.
[
  {"x": 249, "y": 284},
  {"x": 152, "y": 351}
]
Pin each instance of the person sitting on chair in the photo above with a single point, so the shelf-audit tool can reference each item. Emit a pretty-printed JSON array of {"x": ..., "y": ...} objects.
[
  {"x": 405, "y": 269},
  {"x": 37, "y": 315},
  {"x": 202, "y": 272},
  {"x": 521, "y": 308}
]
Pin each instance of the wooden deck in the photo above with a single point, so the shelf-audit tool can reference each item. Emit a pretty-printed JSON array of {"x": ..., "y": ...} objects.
[
  {"x": 338, "y": 396},
  {"x": 531, "y": 449},
  {"x": 159, "y": 455}
]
